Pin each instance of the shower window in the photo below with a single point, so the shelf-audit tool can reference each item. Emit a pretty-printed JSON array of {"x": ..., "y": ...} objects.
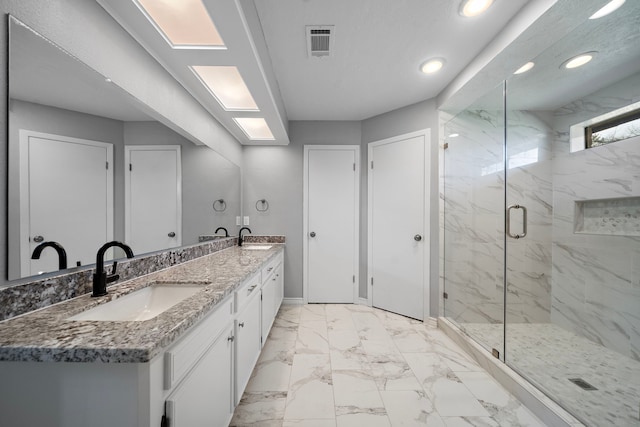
[{"x": 618, "y": 128}]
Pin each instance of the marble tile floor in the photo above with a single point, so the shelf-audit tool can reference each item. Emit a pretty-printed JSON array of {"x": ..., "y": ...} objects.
[
  {"x": 350, "y": 365},
  {"x": 548, "y": 355}
]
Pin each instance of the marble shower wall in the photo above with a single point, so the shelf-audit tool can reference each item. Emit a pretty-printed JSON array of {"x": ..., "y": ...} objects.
[
  {"x": 473, "y": 219},
  {"x": 596, "y": 277},
  {"x": 529, "y": 183}
]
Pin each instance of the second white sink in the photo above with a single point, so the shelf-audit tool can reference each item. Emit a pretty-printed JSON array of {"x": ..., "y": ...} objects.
[
  {"x": 140, "y": 305},
  {"x": 257, "y": 247}
]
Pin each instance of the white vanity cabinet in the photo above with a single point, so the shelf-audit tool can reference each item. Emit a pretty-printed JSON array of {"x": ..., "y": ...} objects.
[
  {"x": 248, "y": 332},
  {"x": 204, "y": 397},
  {"x": 198, "y": 373},
  {"x": 272, "y": 293}
]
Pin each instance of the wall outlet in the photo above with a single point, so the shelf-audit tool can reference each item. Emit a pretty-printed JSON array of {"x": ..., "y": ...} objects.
[
  {"x": 238, "y": 220},
  {"x": 246, "y": 220}
]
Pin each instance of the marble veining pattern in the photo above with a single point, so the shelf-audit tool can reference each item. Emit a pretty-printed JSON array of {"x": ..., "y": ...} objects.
[
  {"x": 45, "y": 335},
  {"x": 352, "y": 365},
  {"x": 548, "y": 356}
]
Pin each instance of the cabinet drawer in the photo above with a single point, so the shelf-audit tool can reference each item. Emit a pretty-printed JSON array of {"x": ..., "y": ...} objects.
[
  {"x": 249, "y": 288},
  {"x": 268, "y": 269},
  {"x": 186, "y": 352}
]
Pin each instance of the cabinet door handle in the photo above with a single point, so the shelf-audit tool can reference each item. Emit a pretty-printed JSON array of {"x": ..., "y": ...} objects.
[
  {"x": 230, "y": 338},
  {"x": 241, "y": 324},
  {"x": 251, "y": 289},
  {"x": 269, "y": 269}
]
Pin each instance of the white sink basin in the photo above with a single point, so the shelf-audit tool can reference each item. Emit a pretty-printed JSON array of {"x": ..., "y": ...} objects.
[
  {"x": 140, "y": 305},
  {"x": 257, "y": 247}
]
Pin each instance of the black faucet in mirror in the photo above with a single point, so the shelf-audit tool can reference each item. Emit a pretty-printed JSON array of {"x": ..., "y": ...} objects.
[
  {"x": 100, "y": 277},
  {"x": 240, "y": 238},
  {"x": 226, "y": 233},
  {"x": 62, "y": 254}
]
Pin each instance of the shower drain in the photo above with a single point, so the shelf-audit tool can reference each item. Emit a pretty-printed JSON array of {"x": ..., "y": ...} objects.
[{"x": 582, "y": 384}]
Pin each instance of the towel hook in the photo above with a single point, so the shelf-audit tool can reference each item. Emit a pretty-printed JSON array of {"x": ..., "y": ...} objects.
[
  {"x": 222, "y": 205},
  {"x": 262, "y": 205}
]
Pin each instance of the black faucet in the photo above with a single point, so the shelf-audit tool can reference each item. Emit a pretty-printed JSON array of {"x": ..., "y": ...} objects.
[
  {"x": 62, "y": 254},
  {"x": 100, "y": 277},
  {"x": 240, "y": 235},
  {"x": 226, "y": 233}
]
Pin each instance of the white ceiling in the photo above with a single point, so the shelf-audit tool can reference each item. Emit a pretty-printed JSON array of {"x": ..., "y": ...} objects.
[{"x": 379, "y": 46}]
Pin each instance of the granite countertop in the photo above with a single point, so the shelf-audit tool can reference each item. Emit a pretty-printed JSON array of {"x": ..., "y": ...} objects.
[{"x": 46, "y": 335}]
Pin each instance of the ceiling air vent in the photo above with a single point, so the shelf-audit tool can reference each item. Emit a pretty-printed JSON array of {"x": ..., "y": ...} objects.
[{"x": 319, "y": 40}]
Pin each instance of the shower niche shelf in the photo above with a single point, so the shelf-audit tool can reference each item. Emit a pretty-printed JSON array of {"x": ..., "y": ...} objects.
[{"x": 612, "y": 217}]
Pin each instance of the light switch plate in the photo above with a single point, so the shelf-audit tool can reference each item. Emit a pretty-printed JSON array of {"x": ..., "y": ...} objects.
[
  {"x": 238, "y": 220},
  {"x": 246, "y": 220}
]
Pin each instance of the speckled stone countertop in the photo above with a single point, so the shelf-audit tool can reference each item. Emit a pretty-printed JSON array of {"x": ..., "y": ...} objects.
[{"x": 46, "y": 336}]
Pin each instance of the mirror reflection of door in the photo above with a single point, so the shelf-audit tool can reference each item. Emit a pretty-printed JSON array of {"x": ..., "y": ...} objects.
[
  {"x": 66, "y": 194},
  {"x": 153, "y": 199}
]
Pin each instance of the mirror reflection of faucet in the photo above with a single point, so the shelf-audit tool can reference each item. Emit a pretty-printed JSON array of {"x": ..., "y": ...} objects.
[
  {"x": 226, "y": 233},
  {"x": 62, "y": 254},
  {"x": 240, "y": 238},
  {"x": 100, "y": 277}
]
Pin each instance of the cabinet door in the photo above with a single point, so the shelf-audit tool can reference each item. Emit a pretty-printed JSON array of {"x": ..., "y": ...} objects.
[
  {"x": 204, "y": 397},
  {"x": 269, "y": 295},
  {"x": 279, "y": 287},
  {"x": 248, "y": 343}
]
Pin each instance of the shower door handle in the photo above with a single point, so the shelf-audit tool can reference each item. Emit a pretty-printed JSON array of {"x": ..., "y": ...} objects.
[{"x": 524, "y": 222}]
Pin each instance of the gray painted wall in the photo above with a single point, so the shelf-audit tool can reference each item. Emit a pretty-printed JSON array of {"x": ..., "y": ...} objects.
[{"x": 275, "y": 173}]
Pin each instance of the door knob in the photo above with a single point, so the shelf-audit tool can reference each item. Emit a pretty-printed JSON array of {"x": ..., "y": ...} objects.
[
  {"x": 172, "y": 234},
  {"x": 417, "y": 237},
  {"x": 38, "y": 239},
  {"x": 312, "y": 234}
]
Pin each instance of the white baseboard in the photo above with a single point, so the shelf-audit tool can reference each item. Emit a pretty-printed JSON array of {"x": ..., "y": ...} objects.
[
  {"x": 293, "y": 301},
  {"x": 362, "y": 301},
  {"x": 431, "y": 322}
]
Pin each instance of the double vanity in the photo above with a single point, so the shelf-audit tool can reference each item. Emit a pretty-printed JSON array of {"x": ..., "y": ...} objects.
[{"x": 175, "y": 347}]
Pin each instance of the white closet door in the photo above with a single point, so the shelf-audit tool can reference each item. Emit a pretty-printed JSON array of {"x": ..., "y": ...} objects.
[
  {"x": 153, "y": 204},
  {"x": 331, "y": 223},
  {"x": 398, "y": 230},
  {"x": 67, "y": 197}
]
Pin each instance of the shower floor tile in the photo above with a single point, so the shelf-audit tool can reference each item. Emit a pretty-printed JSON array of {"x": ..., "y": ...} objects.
[{"x": 549, "y": 356}]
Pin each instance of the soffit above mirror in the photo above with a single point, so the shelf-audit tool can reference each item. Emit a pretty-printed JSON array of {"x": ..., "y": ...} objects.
[{"x": 234, "y": 21}]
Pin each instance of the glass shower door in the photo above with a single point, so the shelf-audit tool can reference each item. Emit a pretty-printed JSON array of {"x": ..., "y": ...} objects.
[{"x": 474, "y": 220}]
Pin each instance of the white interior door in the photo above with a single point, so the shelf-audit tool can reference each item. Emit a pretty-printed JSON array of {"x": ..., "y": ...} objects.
[
  {"x": 66, "y": 187},
  {"x": 331, "y": 223},
  {"x": 398, "y": 224},
  {"x": 153, "y": 203}
]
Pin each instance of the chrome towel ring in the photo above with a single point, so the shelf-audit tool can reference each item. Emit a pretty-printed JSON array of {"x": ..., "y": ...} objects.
[
  {"x": 220, "y": 205},
  {"x": 262, "y": 205}
]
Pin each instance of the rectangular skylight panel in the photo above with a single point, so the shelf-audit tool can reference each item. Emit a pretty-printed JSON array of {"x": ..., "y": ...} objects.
[
  {"x": 183, "y": 23},
  {"x": 254, "y": 128},
  {"x": 227, "y": 85}
]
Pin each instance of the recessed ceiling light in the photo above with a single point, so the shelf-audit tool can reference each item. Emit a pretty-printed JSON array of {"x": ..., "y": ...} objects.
[
  {"x": 254, "y": 128},
  {"x": 182, "y": 23},
  {"x": 471, "y": 8},
  {"x": 226, "y": 85},
  {"x": 578, "y": 61},
  {"x": 432, "y": 65},
  {"x": 454, "y": 135},
  {"x": 607, "y": 9},
  {"x": 526, "y": 67}
]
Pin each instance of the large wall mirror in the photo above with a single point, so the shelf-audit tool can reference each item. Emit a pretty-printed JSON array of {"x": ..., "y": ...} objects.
[{"x": 88, "y": 163}]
